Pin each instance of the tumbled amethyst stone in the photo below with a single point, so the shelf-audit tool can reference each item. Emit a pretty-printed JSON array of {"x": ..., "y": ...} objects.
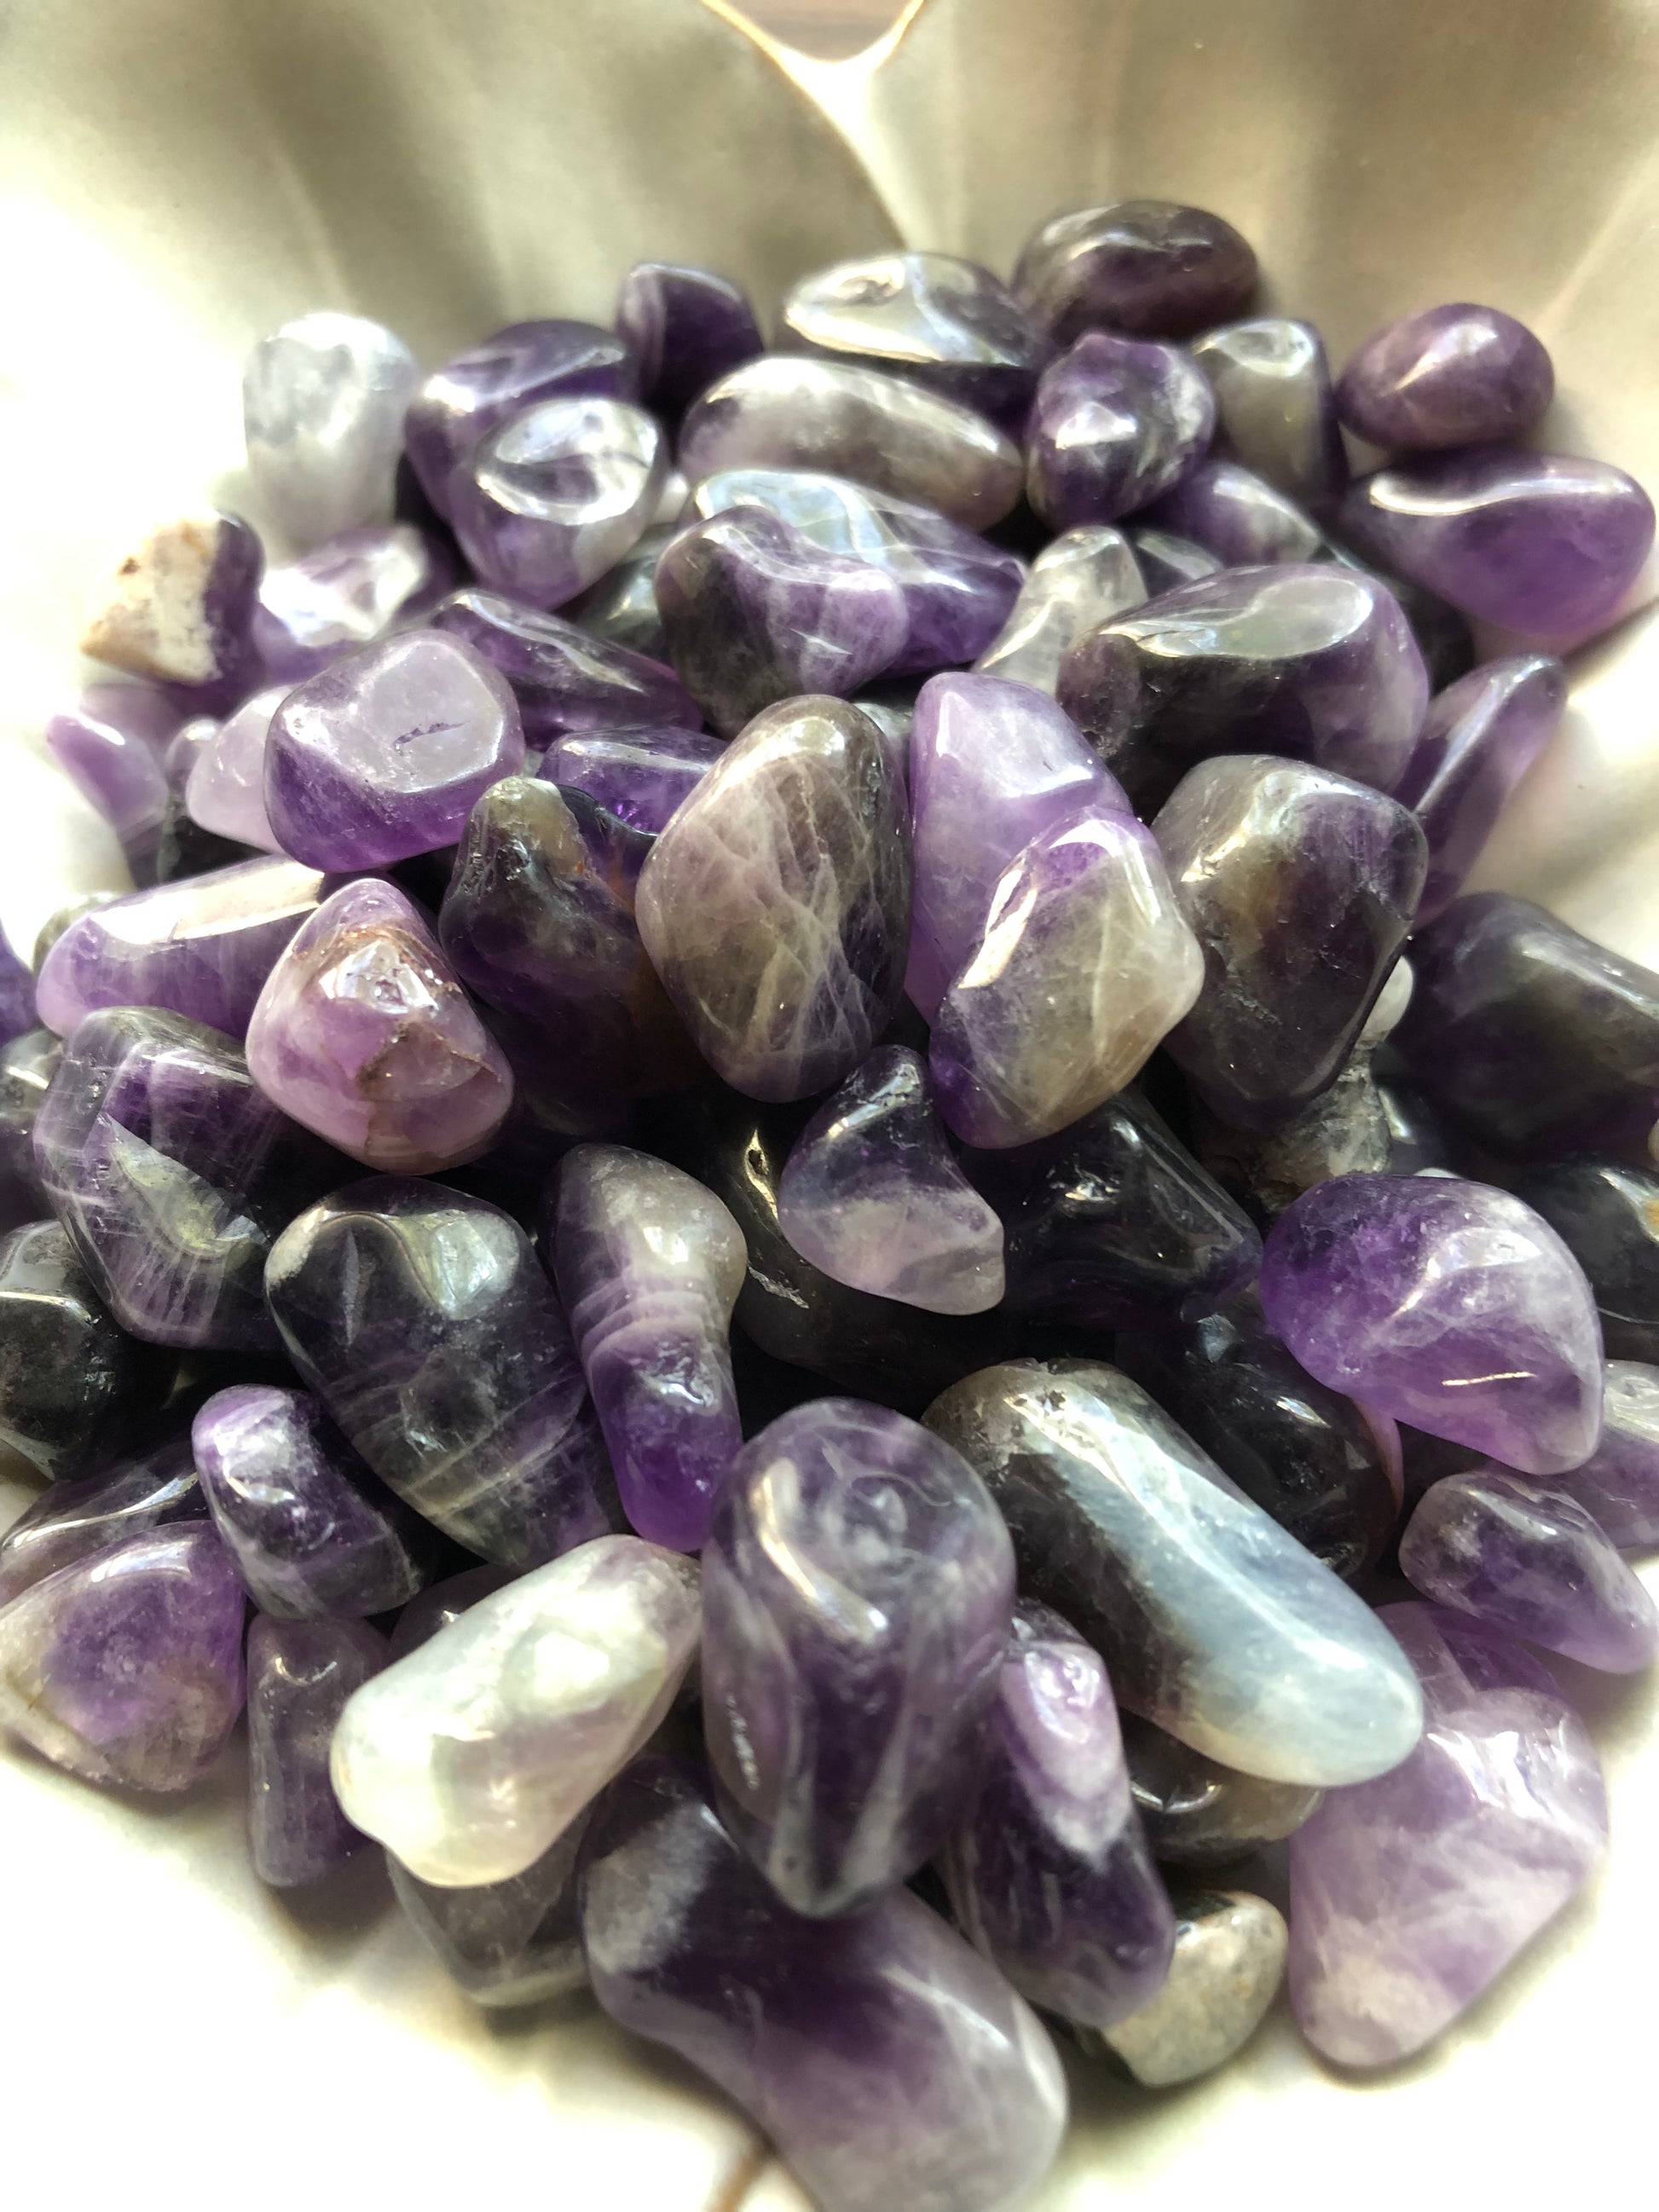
[
  {"x": 300, "y": 1673},
  {"x": 1543, "y": 543},
  {"x": 118, "y": 774},
  {"x": 440, "y": 1603},
  {"x": 1166, "y": 559},
  {"x": 843, "y": 1765},
  {"x": 460, "y": 403},
  {"x": 1117, "y": 421},
  {"x": 180, "y": 609},
  {"x": 1456, "y": 376},
  {"x": 511, "y": 1942},
  {"x": 641, "y": 776},
  {"x": 1048, "y": 1871},
  {"x": 1448, "y": 1304},
  {"x": 959, "y": 2098},
  {"x": 345, "y": 593},
  {"x": 1237, "y": 516},
  {"x": 17, "y": 988},
  {"x": 1619, "y": 1483},
  {"x": 1274, "y": 407},
  {"x": 1410, "y": 1894},
  {"x": 1478, "y": 739},
  {"x": 1080, "y": 579},
  {"x": 420, "y": 1317},
  {"x": 70, "y": 1521},
  {"x": 382, "y": 755},
  {"x": 224, "y": 787},
  {"x": 621, "y": 607},
  {"x": 126, "y": 1667},
  {"x": 1607, "y": 1216},
  {"x": 72, "y": 1381},
  {"x": 563, "y": 678},
  {"x": 1148, "y": 267},
  {"x": 142, "y": 711},
  {"x": 1197, "y": 1812},
  {"x": 27, "y": 1065},
  {"x": 685, "y": 327}
]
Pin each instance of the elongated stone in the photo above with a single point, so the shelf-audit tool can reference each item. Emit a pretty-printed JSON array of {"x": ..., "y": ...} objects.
[
  {"x": 1310, "y": 662},
  {"x": 1048, "y": 1871},
  {"x": 1538, "y": 1041},
  {"x": 1410, "y": 1893},
  {"x": 1448, "y": 1304},
  {"x": 1521, "y": 1554},
  {"x": 70, "y": 1380},
  {"x": 649, "y": 1265},
  {"x": 684, "y": 328},
  {"x": 1166, "y": 559},
  {"x": 225, "y": 789},
  {"x": 1619, "y": 1483},
  {"x": 1546, "y": 544},
  {"x": 1197, "y": 1812},
  {"x": 300, "y": 1674},
  {"x": 1607, "y": 1216},
  {"x": 1228, "y": 1634},
  {"x": 1149, "y": 267},
  {"x": 461, "y": 403},
  {"x": 363, "y": 1033},
  {"x": 1229, "y": 1951},
  {"x": 120, "y": 776},
  {"x": 1299, "y": 886},
  {"x": 555, "y": 496},
  {"x": 788, "y": 411},
  {"x": 440, "y": 1603},
  {"x": 641, "y": 776},
  {"x": 552, "y": 1685},
  {"x": 1030, "y": 1035},
  {"x": 991, "y": 764},
  {"x": 1238, "y": 516},
  {"x": 202, "y": 947},
  {"x": 775, "y": 907},
  {"x": 505, "y": 1943},
  {"x": 561, "y": 677},
  {"x": 621, "y": 607},
  {"x": 179, "y": 608},
  {"x": 154, "y": 1487},
  {"x": 1116, "y": 423},
  {"x": 17, "y": 1011},
  {"x": 840, "y": 1774},
  {"x": 1079, "y": 581},
  {"x": 345, "y": 593},
  {"x": 960, "y": 2098},
  {"x": 322, "y": 404},
  {"x": 1112, "y": 1224},
  {"x": 1275, "y": 410},
  {"x": 27, "y": 1065},
  {"x": 126, "y": 1667},
  {"x": 1456, "y": 376}
]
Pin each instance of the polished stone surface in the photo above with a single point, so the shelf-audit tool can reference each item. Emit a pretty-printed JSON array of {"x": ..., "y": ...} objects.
[
  {"x": 118, "y": 774},
  {"x": 70, "y": 1380},
  {"x": 505, "y": 1943},
  {"x": 179, "y": 607},
  {"x": 562, "y": 678},
  {"x": 346, "y": 594},
  {"x": 1150, "y": 267},
  {"x": 641, "y": 776},
  {"x": 1619, "y": 1483},
  {"x": 1238, "y": 517},
  {"x": 69, "y": 1521},
  {"x": 621, "y": 607},
  {"x": 1165, "y": 559},
  {"x": 1116, "y": 421},
  {"x": 1229, "y": 1963},
  {"x": 1274, "y": 407},
  {"x": 1198, "y": 1813},
  {"x": 322, "y": 404},
  {"x": 440, "y": 1603},
  {"x": 684, "y": 328},
  {"x": 17, "y": 1010},
  {"x": 1456, "y": 376},
  {"x": 28, "y": 1064},
  {"x": 300, "y": 1674},
  {"x": 1607, "y": 1216},
  {"x": 1081, "y": 579},
  {"x": 224, "y": 790},
  {"x": 1347, "y": 1130}
]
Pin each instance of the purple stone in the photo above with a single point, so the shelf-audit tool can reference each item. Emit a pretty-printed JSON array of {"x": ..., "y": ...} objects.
[
  {"x": 648, "y": 1265},
  {"x": 621, "y": 607},
  {"x": 505, "y": 1943},
  {"x": 225, "y": 785},
  {"x": 756, "y": 612},
  {"x": 1619, "y": 1483},
  {"x": 363, "y": 1034},
  {"x": 300, "y": 1673},
  {"x": 70, "y": 1521},
  {"x": 27, "y": 1065},
  {"x": 382, "y": 755},
  {"x": 1481, "y": 736},
  {"x": 1410, "y": 1894},
  {"x": 1048, "y": 1871},
  {"x": 871, "y": 1193},
  {"x": 1523, "y": 1555},
  {"x": 1457, "y": 375},
  {"x": 1149, "y": 267},
  {"x": 1448, "y": 1304},
  {"x": 1084, "y": 966},
  {"x": 1079, "y": 581},
  {"x": 70, "y": 1380},
  {"x": 858, "y": 1585},
  {"x": 137, "y": 710},
  {"x": 1274, "y": 407},
  {"x": 179, "y": 608},
  {"x": 346, "y": 594},
  {"x": 459, "y": 403},
  {"x": 1543, "y": 543},
  {"x": 1116, "y": 421},
  {"x": 1540, "y": 1041},
  {"x": 1336, "y": 870},
  {"x": 959, "y": 2098},
  {"x": 202, "y": 947},
  {"x": 684, "y": 328},
  {"x": 311, "y": 1530},
  {"x": 119, "y": 774},
  {"x": 1240, "y": 517},
  {"x": 439, "y": 1603},
  {"x": 563, "y": 678},
  {"x": 1165, "y": 559},
  {"x": 17, "y": 1012},
  {"x": 126, "y": 1667},
  {"x": 420, "y": 1317},
  {"x": 1607, "y": 1216},
  {"x": 641, "y": 776},
  {"x": 171, "y": 1174},
  {"x": 992, "y": 762},
  {"x": 558, "y": 495},
  {"x": 941, "y": 322},
  {"x": 775, "y": 906},
  {"x": 1312, "y": 662},
  {"x": 185, "y": 747}
]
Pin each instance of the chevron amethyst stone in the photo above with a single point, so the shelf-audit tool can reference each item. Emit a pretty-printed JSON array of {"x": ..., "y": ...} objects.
[
  {"x": 641, "y": 776},
  {"x": 300, "y": 1674},
  {"x": 684, "y": 328},
  {"x": 562, "y": 678},
  {"x": 1116, "y": 423}
]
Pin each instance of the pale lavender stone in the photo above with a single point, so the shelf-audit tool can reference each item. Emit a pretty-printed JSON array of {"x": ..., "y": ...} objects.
[
  {"x": 505, "y": 1943},
  {"x": 648, "y": 1264},
  {"x": 1411, "y": 1894},
  {"x": 225, "y": 785},
  {"x": 872, "y": 1194},
  {"x": 558, "y": 495},
  {"x": 890, "y": 2016},
  {"x": 179, "y": 608},
  {"x": 344, "y": 594},
  {"x": 137, "y": 710},
  {"x": 363, "y": 1034},
  {"x": 844, "y": 1763},
  {"x": 1150, "y": 267},
  {"x": 641, "y": 776},
  {"x": 1448, "y": 1304},
  {"x": 1166, "y": 560},
  {"x": 1116, "y": 423},
  {"x": 300, "y": 1673},
  {"x": 1048, "y": 1871},
  {"x": 1082, "y": 579},
  {"x": 1524, "y": 1555},
  {"x": 202, "y": 947},
  {"x": 1546, "y": 544},
  {"x": 1619, "y": 1483},
  {"x": 1478, "y": 739},
  {"x": 323, "y": 404},
  {"x": 70, "y": 1521},
  {"x": 118, "y": 774},
  {"x": 185, "y": 748},
  {"x": 17, "y": 994},
  {"x": 382, "y": 755},
  {"x": 1456, "y": 376},
  {"x": 1244, "y": 522},
  {"x": 439, "y": 1603},
  {"x": 563, "y": 678},
  {"x": 126, "y": 1667},
  {"x": 684, "y": 328},
  {"x": 1275, "y": 410}
]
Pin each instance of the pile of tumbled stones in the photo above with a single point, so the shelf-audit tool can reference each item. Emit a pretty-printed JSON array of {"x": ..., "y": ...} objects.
[{"x": 912, "y": 840}]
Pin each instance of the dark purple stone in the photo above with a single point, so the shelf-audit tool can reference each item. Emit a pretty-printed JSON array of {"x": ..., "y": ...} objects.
[
  {"x": 1607, "y": 1216},
  {"x": 70, "y": 1380},
  {"x": 119, "y": 774},
  {"x": 641, "y": 776},
  {"x": 1149, "y": 267},
  {"x": 439, "y": 1603},
  {"x": 1116, "y": 421},
  {"x": 684, "y": 328},
  {"x": 1197, "y": 1812},
  {"x": 300, "y": 1673},
  {"x": 27, "y": 1065},
  {"x": 562, "y": 678},
  {"x": 1243, "y": 520},
  {"x": 346, "y": 594},
  {"x": 70, "y": 1521},
  {"x": 17, "y": 1011},
  {"x": 1456, "y": 376}
]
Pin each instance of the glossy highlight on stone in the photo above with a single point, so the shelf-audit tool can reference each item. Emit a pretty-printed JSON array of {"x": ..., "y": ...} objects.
[
  {"x": 1116, "y": 421},
  {"x": 563, "y": 678},
  {"x": 1619, "y": 1483},
  {"x": 1456, "y": 376},
  {"x": 1148, "y": 267},
  {"x": 1238, "y": 517},
  {"x": 70, "y": 1380},
  {"x": 1607, "y": 1217},
  {"x": 300, "y": 1674},
  {"x": 1198, "y": 1813},
  {"x": 1275, "y": 411},
  {"x": 322, "y": 404},
  {"x": 224, "y": 789},
  {"x": 119, "y": 774},
  {"x": 505, "y": 1943},
  {"x": 72, "y": 1520},
  {"x": 28, "y": 1064},
  {"x": 641, "y": 776},
  {"x": 685, "y": 327},
  {"x": 346, "y": 594},
  {"x": 1080, "y": 579}
]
